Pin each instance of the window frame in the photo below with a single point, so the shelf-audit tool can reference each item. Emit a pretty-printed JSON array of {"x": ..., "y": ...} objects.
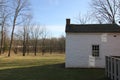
[{"x": 95, "y": 50}]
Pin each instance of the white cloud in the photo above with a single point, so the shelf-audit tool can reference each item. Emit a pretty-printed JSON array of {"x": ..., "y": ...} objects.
[
  {"x": 56, "y": 30},
  {"x": 53, "y": 30}
]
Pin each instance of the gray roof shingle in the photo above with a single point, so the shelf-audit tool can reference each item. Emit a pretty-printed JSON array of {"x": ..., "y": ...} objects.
[{"x": 92, "y": 28}]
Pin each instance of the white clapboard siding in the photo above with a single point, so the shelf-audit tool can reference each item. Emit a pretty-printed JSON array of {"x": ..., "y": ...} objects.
[{"x": 79, "y": 48}]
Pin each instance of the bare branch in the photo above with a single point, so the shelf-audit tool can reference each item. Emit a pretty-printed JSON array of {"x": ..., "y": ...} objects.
[
  {"x": 107, "y": 10},
  {"x": 83, "y": 19},
  {"x": 19, "y": 6}
]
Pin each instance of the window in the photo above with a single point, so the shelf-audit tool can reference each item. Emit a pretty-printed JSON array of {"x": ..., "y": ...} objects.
[{"x": 95, "y": 50}]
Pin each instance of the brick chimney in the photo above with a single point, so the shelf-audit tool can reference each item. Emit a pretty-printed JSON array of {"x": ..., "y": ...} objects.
[{"x": 67, "y": 21}]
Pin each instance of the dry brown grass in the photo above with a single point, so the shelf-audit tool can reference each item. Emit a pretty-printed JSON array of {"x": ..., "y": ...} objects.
[{"x": 47, "y": 67}]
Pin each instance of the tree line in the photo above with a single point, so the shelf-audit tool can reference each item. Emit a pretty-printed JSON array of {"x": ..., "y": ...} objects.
[
  {"x": 41, "y": 45},
  {"x": 33, "y": 39},
  {"x": 20, "y": 34}
]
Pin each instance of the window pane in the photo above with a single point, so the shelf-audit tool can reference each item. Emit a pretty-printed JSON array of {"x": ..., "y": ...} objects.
[{"x": 95, "y": 50}]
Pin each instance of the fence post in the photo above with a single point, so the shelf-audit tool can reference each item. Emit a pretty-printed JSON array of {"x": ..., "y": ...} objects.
[
  {"x": 115, "y": 68},
  {"x": 119, "y": 69},
  {"x": 111, "y": 68},
  {"x": 106, "y": 67}
]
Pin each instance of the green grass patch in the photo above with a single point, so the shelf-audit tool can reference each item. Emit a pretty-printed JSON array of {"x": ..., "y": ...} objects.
[{"x": 48, "y": 67}]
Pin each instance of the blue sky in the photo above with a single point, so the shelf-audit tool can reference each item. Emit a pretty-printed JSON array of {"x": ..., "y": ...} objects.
[{"x": 53, "y": 13}]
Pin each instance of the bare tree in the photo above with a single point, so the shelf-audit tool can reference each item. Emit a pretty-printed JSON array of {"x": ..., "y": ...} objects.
[
  {"x": 20, "y": 8},
  {"x": 106, "y": 11},
  {"x": 5, "y": 40},
  {"x": 44, "y": 36},
  {"x": 36, "y": 31},
  {"x": 3, "y": 17},
  {"x": 61, "y": 42},
  {"x": 83, "y": 19},
  {"x": 24, "y": 41},
  {"x": 23, "y": 35},
  {"x": 26, "y": 33}
]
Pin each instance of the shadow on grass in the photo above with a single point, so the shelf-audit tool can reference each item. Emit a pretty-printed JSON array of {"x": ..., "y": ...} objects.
[{"x": 51, "y": 72}]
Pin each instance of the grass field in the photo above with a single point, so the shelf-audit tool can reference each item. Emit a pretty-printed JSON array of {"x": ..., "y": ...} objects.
[{"x": 47, "y": 67}]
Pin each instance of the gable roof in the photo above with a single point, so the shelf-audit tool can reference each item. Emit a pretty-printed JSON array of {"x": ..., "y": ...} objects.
[{"x": 92, "y": 28}]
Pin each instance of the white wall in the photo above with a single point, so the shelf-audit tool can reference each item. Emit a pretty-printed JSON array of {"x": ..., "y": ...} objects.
[{"x": 79, "y": 48}]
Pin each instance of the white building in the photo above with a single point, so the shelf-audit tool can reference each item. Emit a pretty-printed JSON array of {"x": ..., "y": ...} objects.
[{"x": 88, "y": 44}]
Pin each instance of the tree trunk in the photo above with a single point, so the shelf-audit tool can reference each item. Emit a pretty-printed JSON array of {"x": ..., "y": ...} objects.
[
  {"x": 24, "y": 42},
  {"x": 11, "y": 41},
  {"x": 35, "y": 47},
  {"x": 27, "y": 45},
  {"x": 1, "y": 47},
  {"x": 24, "y": 48},
  {"x": 42, "y": 47}
]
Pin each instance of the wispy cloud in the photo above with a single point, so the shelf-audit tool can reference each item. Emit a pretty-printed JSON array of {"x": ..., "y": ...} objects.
[
  {"x": 56, "y": 30},
  {"x": 54, "y": 2},
  {"x": 52, "y": 30}
]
